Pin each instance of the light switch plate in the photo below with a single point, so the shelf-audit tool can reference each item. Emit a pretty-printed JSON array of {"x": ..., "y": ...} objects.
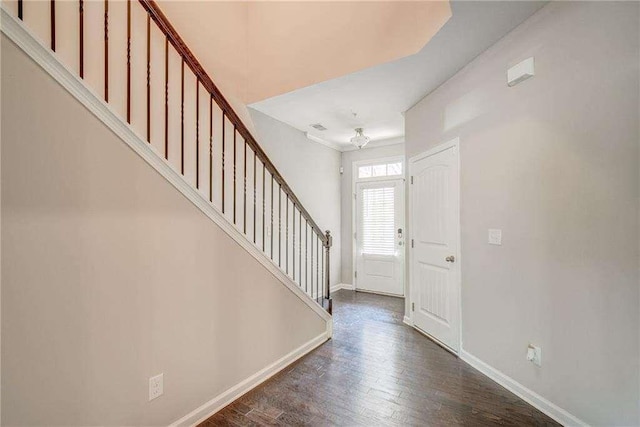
[
  {"x": 156, "y": 387},
  {"x": 495, "y": 236}
]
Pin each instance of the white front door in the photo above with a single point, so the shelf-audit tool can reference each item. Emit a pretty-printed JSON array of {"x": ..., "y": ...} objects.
[
  {"x": 380, "y": 236},
  {"x": 435, "y": 272}
]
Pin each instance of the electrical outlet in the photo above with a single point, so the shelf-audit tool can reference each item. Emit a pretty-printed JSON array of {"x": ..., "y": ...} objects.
[
  {"x": 534, "y": 355},
  {"x": 156, "y": 387}
]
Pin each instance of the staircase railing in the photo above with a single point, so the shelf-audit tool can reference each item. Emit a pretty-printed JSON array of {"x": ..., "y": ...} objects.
[{"x": 196, "y": 136}]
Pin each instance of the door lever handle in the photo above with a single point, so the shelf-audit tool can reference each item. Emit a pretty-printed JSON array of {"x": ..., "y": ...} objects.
[{"x": 450, "y": 258}]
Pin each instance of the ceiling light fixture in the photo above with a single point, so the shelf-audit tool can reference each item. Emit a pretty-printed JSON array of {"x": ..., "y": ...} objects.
[{"x": 360, "y": 140}]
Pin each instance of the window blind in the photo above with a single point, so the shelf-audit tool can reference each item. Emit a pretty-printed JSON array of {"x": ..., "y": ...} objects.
[{"x": 378, "y": 222}]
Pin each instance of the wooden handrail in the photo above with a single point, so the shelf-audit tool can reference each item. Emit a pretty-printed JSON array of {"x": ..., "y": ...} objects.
[
  {"x": 192, "y": 62},
  {"x": 304, "y": 230}
]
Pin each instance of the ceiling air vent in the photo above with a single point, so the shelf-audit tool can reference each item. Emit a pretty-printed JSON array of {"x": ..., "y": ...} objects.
[{"x": 318, "y": 126}]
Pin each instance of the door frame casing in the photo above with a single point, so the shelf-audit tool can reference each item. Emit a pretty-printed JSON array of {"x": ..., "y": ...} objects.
[
  {"x": 354, "y": 224},
  {"x": 453, "y": 143}
]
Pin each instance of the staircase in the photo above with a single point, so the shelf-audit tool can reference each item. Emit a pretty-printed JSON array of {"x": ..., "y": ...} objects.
[{"x": 130, "y": 56}]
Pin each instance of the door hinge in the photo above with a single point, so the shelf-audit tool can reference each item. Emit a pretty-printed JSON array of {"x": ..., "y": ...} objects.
[
  {"x": 412, "y": 179},
  {"x": 411, "y": 242},
  {"x": 413, "y": 306},
  {"x": 355, "y": 195},
  {"x": 355, "y": 274},
  {"x": 355, "y": 236}
]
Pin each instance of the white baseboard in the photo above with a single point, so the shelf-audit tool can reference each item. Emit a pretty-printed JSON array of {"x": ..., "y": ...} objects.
[
  {"x": 529, "y": 396},
  {"x": 407, "y": 321},
  {"x": 48, "y": 61},
  {"x": 339, "y": 286},
  {"x": 217, "y": 403}
]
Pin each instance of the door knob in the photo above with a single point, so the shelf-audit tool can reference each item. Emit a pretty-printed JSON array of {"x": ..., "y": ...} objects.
[{"x": 450, "y": 258}]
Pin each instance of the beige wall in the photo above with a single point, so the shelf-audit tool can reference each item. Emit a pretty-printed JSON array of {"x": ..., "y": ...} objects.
[
  {"x": 346, "y": 199},
  {"x": 216, "y": 32},
  {"x": 111, "y": 276},
  {"x": 259, "y": 49},
  {"x": 553, "y": 162},
  {"x": 313, "y": 172},
  {"x": 294, "y": 44}
]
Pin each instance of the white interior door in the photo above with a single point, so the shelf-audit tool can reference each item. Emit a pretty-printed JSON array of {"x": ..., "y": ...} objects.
[
  {"x": 380, "y": 236},
  {"x": 435, "y": 222}
]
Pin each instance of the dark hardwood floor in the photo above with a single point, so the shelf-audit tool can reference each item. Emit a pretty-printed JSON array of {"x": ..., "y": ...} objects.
[{"x": 376, "y": 371}]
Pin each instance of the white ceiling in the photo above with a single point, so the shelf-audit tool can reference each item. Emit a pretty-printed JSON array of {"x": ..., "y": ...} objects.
[{"x": 380, "y": 94}]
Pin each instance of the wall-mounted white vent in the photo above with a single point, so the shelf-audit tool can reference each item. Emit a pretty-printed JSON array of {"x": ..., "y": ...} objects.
[
  {"x": 520, "y": 72},
  {"x": 318, "y": 126}
]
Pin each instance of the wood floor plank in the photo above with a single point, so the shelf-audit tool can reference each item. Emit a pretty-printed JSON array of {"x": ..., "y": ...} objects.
[{"x": 376, "y": 371}]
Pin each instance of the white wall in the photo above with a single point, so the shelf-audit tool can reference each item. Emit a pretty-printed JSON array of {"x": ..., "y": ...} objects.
[
  {"x": 346, "y": 199},
  {"x": 311, "y": 170},
  {"x": 111, "y": 276},
  {"x": 554, "y": 163}
]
